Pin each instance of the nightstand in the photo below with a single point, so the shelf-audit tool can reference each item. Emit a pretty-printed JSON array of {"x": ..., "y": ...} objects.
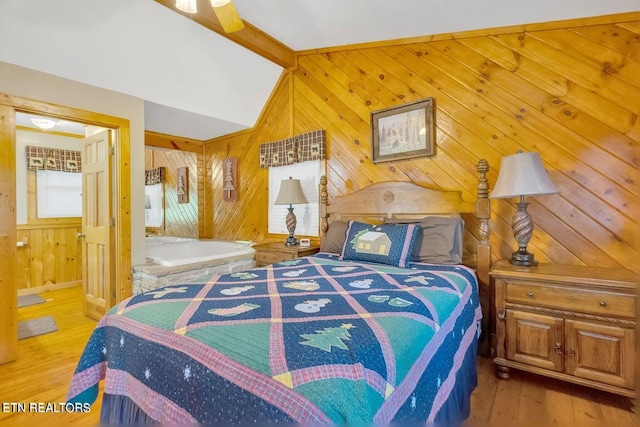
[
  {"x": 568, "y": 322},
  {"x": 271, "y": 253}
]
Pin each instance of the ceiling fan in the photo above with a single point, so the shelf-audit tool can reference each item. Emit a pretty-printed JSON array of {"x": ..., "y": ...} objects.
[{"x": 225, "y": 11}]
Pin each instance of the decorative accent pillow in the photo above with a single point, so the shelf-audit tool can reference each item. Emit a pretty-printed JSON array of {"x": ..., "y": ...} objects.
[
  {"x": 383, "y": 244},
  {"x": 333, "y": 240},
  {"x": 441, "y": 239}
]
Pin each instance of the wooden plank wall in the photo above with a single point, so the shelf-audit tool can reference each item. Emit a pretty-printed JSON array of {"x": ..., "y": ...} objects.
[
  {"x": 52, "y": 255},
  {"x": 181, "y": 219},
  {"x": 570, "y": 91}
]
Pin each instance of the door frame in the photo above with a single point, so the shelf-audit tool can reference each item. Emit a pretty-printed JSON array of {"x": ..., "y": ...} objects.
[{"x": 9, "y": 104}]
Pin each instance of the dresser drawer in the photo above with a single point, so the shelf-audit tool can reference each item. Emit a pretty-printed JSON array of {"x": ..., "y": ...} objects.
[
  {"x": 266, "y": 258},
  {"x": 572, "y": 299}
]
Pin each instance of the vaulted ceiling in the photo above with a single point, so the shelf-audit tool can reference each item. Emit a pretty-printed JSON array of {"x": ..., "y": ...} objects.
[{"x": 199, "y": 84}]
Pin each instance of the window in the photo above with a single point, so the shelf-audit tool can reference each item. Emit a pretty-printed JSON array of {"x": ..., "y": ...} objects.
[
  {"x": 307, "y": 215},
  {"x": 58, "y": 194},
  {"x": 153, "y": 201}
]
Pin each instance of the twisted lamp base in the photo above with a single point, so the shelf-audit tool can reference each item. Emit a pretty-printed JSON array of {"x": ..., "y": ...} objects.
[
  {"x": 522, "y": 226},
  {"x": 291, "y": 222}
]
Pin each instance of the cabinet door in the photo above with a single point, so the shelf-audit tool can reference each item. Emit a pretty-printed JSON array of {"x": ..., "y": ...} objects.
[
  {"x": 600, "y": 352},
  {"x": 535, "y": 339}
]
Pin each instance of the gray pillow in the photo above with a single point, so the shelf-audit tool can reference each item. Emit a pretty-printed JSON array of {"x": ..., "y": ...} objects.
[
  {"x": 441, "y": 239},
  {"x": 334, "y": 238}
]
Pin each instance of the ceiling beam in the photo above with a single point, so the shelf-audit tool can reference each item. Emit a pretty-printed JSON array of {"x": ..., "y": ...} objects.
[
  {"x": 170, "y": 142},
  {"x": 249, "y": 37}
]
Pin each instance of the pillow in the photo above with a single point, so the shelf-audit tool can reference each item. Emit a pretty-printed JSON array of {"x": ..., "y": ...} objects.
[
  {"x": 441, "y": 239},
  {"x": 333, "y": 240},
  {"x": 383, "y": 244}
]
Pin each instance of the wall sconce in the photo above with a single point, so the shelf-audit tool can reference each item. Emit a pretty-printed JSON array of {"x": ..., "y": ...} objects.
[
  {"x": 291, "y": 193},
  {"x": 183, "y": 185},
  {"x": 230, "y": 171},
  {"x": 522, "y": 174}
]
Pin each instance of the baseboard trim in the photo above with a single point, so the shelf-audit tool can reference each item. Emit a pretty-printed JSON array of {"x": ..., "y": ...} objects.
[{"x": 51, "y": 287}]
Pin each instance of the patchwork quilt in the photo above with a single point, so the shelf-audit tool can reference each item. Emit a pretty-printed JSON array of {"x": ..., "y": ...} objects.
[{"x": 308, "y": 340}]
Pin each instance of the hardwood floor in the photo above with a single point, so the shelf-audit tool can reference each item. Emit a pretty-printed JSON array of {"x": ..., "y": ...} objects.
[
  {"x": 46, "y": 363},
  {"x": 532, "y": 400}
]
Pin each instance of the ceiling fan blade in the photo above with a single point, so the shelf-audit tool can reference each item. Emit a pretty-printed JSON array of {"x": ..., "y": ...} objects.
[{"x": 228, "y": 16}]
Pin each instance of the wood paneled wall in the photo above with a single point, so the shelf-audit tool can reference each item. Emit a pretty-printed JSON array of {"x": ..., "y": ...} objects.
[
  {"x": 180, "y": 219},
  {"x": 570, "y": 91},
  {"x": 51, "y": 257}
]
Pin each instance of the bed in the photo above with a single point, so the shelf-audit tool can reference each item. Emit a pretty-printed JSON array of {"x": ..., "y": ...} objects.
[{"x": 331, "y": 338}]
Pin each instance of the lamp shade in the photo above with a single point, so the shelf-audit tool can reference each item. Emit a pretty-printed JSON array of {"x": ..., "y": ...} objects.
[
  {"x": 522, "y": 174},
  {"x": 290, "y": 193}
]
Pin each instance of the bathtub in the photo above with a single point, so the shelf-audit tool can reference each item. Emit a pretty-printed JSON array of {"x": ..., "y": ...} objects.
[
  {"x": 178, "y": 260},
  {"x": 191, "y": 251},
  {"x": 162, "y": 240}
]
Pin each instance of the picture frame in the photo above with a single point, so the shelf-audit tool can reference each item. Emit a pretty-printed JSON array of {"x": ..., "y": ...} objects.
[{"x": 404, "y": 131}]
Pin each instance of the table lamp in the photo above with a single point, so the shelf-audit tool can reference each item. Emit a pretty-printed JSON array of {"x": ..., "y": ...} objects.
[
  {"x": 291, "y": 193},
  {"x": 520, "y": 175}
]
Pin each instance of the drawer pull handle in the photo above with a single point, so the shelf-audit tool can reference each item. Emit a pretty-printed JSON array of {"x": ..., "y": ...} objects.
[
  {"x": 603, "y": 303},
  {"x": 530, "y": 294}
]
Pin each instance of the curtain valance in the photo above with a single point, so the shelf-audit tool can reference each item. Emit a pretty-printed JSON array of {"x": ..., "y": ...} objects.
[
  {"x": 154, "y": 176},
  {"x": 299, "y": 148},
  {"x": 53, "y": 159}
]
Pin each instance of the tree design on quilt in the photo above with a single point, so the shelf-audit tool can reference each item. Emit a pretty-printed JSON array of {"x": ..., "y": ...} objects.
[{"x": 329, "y": 337}]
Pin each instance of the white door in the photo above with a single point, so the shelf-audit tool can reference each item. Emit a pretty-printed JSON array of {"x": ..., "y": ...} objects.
[{"x": 97, "y": 225}]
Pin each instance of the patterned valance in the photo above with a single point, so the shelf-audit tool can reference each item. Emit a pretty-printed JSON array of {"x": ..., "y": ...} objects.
[
  {"x": 299, "y": 148},
  {"x": 154, "y": 176},
  {"x": 53, "y": 159},
  {"x": 278, "y": 153}
]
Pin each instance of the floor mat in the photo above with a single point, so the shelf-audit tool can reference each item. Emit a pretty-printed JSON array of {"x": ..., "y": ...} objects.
[
  {"x": 31, "y": 299},
  {"x": 38, "y": 326}
]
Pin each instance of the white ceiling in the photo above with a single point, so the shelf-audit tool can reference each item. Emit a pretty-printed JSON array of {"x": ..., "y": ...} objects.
[
  {"x": 199, "y": 85},
  {"x": 64, "y": 126},
  {"x": 195, "y": 83},
  {"x": 310, "y": 24}
]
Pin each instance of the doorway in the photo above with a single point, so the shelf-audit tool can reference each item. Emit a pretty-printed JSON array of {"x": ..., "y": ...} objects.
[{"x": 121, "y": 223}]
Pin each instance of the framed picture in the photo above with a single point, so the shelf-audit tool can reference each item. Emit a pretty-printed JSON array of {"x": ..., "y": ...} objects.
[{"x": 403, "y": 132}]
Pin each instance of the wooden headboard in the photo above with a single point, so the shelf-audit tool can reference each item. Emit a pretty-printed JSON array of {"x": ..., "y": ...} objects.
[{"x": 410, "y": 201}]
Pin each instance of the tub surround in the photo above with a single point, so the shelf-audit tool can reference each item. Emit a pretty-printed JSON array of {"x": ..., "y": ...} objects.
[{"x": 151, "y": 276}]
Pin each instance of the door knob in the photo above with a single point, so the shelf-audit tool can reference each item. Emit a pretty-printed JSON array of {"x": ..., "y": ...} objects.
[{"x": 79, "y": 235}]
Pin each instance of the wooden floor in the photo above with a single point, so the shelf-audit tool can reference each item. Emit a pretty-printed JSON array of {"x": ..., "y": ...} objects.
[{"x": 46, "y": 363}]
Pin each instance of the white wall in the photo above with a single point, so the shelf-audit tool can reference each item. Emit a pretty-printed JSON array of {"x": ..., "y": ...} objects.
[{"x": 39, "y": 86}]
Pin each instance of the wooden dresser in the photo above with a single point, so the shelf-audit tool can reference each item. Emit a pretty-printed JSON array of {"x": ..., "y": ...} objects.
[
  {"x": 270, "y": 253},
  {"x": 567, "y": 322}
]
